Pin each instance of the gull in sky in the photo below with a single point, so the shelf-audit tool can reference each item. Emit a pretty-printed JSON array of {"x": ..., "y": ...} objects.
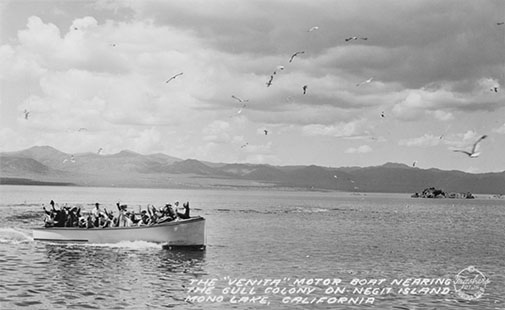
[
  {"x": 244, "y": 145},
  {"x": 26, "y": 112},
  {"x": 473, "y": 153},
  {"x": 495, "y": 89},
  {"x": 414, "y": 163},
  {"x": 269, "y": 83},
  {"x": 295, "y": 54},
  {"x": 313, "y": 28},
  {"x": 173, "y": 77},
  {"x": 382, "y": 114},
  {"x": 239, "y": 99},
  {"x": 365, "y": 82},
  {"x": 99, "y": 151},
  {"x": 305, "y": 89},
  {"x": 265, "y": 131},
  {"x": 280, "y": 68},
  {"x": 355, "y": 38},
  {"x": 72, "y": 159}
]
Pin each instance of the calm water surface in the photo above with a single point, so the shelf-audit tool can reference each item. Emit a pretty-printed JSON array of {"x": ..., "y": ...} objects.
[{"x": 253, "y": 235}]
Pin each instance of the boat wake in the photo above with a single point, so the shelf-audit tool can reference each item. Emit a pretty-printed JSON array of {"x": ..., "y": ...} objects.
[{"x": 15, "y": 236}]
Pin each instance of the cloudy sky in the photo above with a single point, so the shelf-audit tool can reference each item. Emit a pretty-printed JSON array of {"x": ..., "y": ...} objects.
[{"x": 93, "y": 74}]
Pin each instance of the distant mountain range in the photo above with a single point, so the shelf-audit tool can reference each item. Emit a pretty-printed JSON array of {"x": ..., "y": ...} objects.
[{"x": 47, "y": 165}]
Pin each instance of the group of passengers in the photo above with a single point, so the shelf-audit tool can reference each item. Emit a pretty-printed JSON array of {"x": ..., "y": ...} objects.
[{"x": 102, "y": 218}]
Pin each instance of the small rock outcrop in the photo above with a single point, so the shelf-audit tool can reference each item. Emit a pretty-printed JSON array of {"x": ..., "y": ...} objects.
[{"x": 432, "y": 192}]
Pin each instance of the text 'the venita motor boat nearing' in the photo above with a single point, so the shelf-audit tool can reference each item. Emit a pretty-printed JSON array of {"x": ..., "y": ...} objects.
[{"x": 180, "y": 233}]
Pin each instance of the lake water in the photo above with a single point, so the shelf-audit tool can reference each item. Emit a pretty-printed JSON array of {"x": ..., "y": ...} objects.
[{"x": 289, "y": 237}]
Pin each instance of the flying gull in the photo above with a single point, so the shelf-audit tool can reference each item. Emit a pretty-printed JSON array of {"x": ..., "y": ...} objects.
[
  {"x": 495, "y": 89},
  {"x": 72, "y": 159},
  {"x": 305, "y": 89},
  {"x": 26, "y": 112},
  {"x": 244, "y": 145},
  {"x": 473, "y": 153},
  {"x": 295, "y": 54},
  {"x": 280, "y": 68},
  {"x": 355, "y": 38},
  {"x": 99, "y": 151},
  {"x": 239, "y": 99},
  {"x": 265, "y": 131},
  {"x": 269, "y": 83},
  {"x": 173, "y": 77},
  {"x": 365, "y": 82},
  {"x": 382, "y": 114},
  {"x": 313, "y": 28}
]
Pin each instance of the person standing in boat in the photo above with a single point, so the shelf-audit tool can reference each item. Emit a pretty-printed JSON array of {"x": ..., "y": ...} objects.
[
  {"x": 96, "y": 212},
  {"x": 123, "y": 218}
]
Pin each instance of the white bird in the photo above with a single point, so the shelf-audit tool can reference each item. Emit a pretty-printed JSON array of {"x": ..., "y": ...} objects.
[
  {"x": 473, "y": 153},
  {"x": 72, "y": 159},
  {"x": 173, "y": 77},
  {"x": 26, "y": 113},
  {"x": 65, "y": 160},
  {"x": 239, "y": 99},
  {"x": 313, "y": 28},
  {"x": 99, "y": 151},
  {"x": 365, "y": 82},
  {"x": 295, "y": 54}
]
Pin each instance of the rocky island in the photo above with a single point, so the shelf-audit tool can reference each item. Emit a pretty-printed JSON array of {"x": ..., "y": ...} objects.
[{"x": 433, "y": 192}]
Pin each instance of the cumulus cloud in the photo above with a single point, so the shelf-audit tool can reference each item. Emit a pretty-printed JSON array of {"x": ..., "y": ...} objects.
[
  {"x": 217, "y": 132},
  {"x": 426, "y": 140},
  {"x": 500, "y": 130},
  {"x": 103, "y": 66},
  {"x": 359, "y": 150},
  {"x": 343, "y": 129}
]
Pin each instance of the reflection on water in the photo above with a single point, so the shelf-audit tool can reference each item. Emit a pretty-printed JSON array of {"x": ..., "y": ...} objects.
[{"x": 98, "y": 277}]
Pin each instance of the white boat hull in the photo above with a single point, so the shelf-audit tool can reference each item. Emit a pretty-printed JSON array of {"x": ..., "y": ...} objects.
[{"x": 190, "y": 232}]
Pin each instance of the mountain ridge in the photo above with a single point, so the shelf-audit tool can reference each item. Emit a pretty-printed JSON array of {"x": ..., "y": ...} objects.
[{"x": 130, "y": 169}]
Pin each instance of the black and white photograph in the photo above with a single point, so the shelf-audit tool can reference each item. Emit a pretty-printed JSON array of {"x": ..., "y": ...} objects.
[{"x": 252, "y": 154}]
